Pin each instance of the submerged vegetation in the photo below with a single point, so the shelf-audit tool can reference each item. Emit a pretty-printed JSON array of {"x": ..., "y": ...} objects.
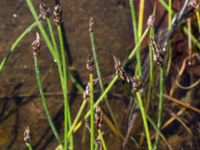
[{"x": 151, "y": 78}]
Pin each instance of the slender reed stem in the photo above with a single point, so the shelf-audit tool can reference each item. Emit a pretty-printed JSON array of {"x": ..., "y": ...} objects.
[
  {"x": 92, "y": 113},
  {"x": 102, "y": 139},
  {"x": 76, "y": 83},
  {"x": 159, "y": 132},
  {"x": 189, "y": 39},
  {"x": 151, "y": 57},
  {"x": 29, "y": 146},
  {"x": 162, "y": 2},
  {"x": 198, "y": 19},
  {"x": 40, "y": 26},
  {"x": 144, "y": 118},
  {"x": 194, "y": 39},
  {"x": 115, "y": 78},
  {"x": 99, "y": 74},
  {"x": 43, "y": 100},
  {"x": 77, "y": 117},
  {"x": 47, "y": 40},
  {"x": 102, "y": 95},
  {"x": 18, "y": 40},
  {"x": 134, "y": 20},
  {"x": 67, "y": 116},
  {"x": 137, "y": 45},
  {"x": 160, "y": 106},
  {"x": 149, "y": 94},
  {"x": 140, "y": 27},
  {"x": 169, "y": 28},
  {"x": 96, "y": 146},
  {"x": 57, "y": 59}
]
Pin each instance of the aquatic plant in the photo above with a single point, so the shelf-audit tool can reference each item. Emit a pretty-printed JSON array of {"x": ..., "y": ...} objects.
[{"x": 146, "y": 93}]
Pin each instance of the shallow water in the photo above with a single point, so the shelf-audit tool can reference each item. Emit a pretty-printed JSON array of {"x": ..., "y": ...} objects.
[{"x": 20, "y": 104}]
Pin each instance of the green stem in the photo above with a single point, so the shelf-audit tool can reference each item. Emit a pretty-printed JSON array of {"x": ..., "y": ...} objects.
[
  {"x": 162, "y": 2},
  {"x": 158, "y": 131},
  {"x": 144, "y": 118},
  {"x": 47, "y": 40},
  {"x": 170, "y": 13},
  {"x": 41, "y": 28},
  {"x": 92, "y": 113},
  {"x": 77, "y": 117},
  {"x": 29, "y": 146},
  {"x": 160, "y": 106},
  {"x": 96, "y": 146},
  {"x": 108, "y": 88},
  {"x": 102, "y": 139},
  {"x": 57, "y": 57},
  {"x": 43, "y": 99},
  {"x": 169, "y": 28},
  {"x": 151, "y": 57},
  {"x": 194, "y": 39},
  {"x": 198, "y": 19},
  {"x": 18, "y": 40},
  {"x": 140, "y": 27},
  {"x": 67, "y": 116},
  {"x": 149, "y": 94},
  {"x": 102, "y": 95},
  {"x": 99, "y": 75},
  {"x": 76, "y": 83},
  {"x": 134, "y": 20}
]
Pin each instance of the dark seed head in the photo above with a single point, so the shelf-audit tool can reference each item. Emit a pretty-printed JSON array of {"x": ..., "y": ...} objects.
[
  {"x": 27, "y": 135},
  {"x": 44, "y": 12},
  {"x": 90, "y": 63},
  {"x": 158, "y": 55},
  {"x": 151, "y": 20},
  {"x": 98, "y": 117},
  {"x": 57, "y": 14},
  {"x": 137, "y": 83},
  {"x": 86, "y": 93},
  {"x": 119, "y": 69},
  {"x": 36, "y": 45},
  {"x": 91, "y": 24}
]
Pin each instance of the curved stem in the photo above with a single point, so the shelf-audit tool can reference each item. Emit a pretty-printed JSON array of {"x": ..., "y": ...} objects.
[
  {"x": 43, "y": 100},
  {"x": 28, "y": 30}
]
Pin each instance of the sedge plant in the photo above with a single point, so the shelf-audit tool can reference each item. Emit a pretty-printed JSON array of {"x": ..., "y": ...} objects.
[
  {"x": 36, "y": 47},
  {"x": 60, "y": 58},
  {"x": 96, "y": 61}
]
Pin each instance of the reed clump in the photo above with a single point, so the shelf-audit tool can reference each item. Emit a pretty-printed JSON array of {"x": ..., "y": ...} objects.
[{"x": 148, "y": 84}]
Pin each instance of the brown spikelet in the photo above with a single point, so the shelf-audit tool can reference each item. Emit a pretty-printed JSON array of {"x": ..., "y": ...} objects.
[
  {"x": 90, "y": 63},
  {"x": 44, "y": 12},
  {"x": 36, "y": 45},
  {"x": 98, "y": 117},
  {"x": 157, "y": 53},
  {"x": 57, "y": 14}
]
